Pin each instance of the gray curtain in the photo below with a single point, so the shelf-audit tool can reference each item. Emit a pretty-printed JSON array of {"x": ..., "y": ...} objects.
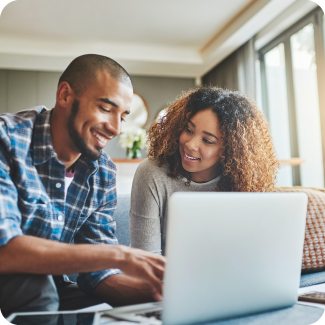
[{"x": 236, "y": 72}]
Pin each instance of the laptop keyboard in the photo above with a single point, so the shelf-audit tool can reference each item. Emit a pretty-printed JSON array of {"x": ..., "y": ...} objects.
[
  {"x": 157, "y": 314},
  {"x": 148, "y": 314}
]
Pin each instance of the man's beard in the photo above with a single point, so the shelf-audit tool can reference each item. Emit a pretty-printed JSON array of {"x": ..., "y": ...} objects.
[{"x": 77, "y": 140}]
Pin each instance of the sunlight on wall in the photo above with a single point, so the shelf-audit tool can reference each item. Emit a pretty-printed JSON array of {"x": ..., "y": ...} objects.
[
  {"x": 307, "y": 107},
  {"x": 278, "y": 109}
]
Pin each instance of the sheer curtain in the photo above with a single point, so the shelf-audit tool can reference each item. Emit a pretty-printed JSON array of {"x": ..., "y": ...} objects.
[{"x": 236, "y": 72}]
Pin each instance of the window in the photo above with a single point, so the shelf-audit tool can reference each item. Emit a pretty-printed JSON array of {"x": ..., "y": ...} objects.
[{"x": 292, "y": 69}]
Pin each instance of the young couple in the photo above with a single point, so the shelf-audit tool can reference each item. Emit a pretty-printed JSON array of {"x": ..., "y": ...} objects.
[
  {"x": 211, "y": 139},
  {"x": 58, "y": 193}
]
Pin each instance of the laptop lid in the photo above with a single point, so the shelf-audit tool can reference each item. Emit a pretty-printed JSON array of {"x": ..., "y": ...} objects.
[{"x": 230, "y": 254}]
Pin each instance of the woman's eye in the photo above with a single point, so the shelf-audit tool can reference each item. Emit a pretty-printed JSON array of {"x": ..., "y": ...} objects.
[
  {"x": 207, "y": 141},
  {"x": 188, "y": 130}
]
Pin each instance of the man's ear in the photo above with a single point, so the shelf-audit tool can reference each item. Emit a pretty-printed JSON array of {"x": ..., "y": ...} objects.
[{"x": 64, "y": 94}]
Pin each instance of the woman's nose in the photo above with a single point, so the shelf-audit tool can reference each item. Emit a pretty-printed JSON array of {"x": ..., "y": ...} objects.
[{"x": 193, "y": 144}]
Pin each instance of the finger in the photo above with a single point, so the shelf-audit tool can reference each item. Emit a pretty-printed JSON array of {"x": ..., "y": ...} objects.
[
  {"x": 159, "y": 272},
  {"x": 161, "y": 260},
  {"x": 158, "y": 264},
  {"x": 155, "y": 283},
  {"x": 156, "y": 295}
]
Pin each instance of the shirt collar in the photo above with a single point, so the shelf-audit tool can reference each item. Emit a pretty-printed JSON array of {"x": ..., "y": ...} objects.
[{"x": 92, "y": 165}]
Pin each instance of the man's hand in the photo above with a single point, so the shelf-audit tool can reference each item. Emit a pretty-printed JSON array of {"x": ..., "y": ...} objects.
[
  {"x": 147, "y": 267},
  {"x": 121, "y": 290}
]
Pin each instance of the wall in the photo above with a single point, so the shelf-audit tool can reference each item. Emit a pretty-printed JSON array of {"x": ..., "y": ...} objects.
[
  {"x": 23, "y": 89},
  {"x": 20, "y": 90}
]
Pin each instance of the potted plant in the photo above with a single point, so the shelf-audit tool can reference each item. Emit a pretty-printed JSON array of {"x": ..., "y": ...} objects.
[{"x": 133, "y": 141}]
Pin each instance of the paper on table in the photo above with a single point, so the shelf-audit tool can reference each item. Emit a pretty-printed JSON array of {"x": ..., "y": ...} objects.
[
  {"x": 110, "y": 321},
  {"x": 100, "y": 307}
]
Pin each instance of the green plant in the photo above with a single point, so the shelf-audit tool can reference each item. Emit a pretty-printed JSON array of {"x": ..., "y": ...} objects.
[{"x": 133, "y": 141}]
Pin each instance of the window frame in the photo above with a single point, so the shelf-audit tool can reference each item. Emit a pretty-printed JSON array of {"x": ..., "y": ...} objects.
[{"x": 315, "y": 17}]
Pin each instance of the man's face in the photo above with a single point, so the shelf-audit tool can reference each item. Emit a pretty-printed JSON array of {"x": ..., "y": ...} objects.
[{"x": 97, "y": 114}]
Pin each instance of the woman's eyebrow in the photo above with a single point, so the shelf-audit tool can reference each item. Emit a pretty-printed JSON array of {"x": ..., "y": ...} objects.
[
  {"x": 207, "y": 133},
  {"x": 212, "y": 135}
]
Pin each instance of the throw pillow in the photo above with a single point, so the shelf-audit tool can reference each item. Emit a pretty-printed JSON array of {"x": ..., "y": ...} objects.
[{"x": 314, "y": 245}]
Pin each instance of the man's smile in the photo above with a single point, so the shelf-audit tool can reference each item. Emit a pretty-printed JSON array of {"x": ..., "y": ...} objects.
[{"x": 101, "y": 139}]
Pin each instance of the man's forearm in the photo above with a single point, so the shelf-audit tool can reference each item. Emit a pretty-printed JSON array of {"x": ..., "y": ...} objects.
[{"x": 28, "y": 254}]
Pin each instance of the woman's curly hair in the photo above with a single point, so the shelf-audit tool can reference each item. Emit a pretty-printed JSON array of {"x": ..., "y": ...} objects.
[{"x": 248, "y": 161}]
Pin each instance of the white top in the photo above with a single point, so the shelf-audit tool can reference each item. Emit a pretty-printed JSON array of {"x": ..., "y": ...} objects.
[{"x": 68, "y": 181}]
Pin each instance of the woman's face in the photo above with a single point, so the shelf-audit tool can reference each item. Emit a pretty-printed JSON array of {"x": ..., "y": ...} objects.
[{"x": 200, "y": 146}]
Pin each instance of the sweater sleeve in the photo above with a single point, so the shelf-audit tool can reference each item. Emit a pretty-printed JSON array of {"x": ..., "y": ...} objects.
[{"x": 145, "y": 225}]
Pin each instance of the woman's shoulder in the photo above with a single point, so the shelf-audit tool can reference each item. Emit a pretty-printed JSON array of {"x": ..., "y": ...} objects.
[
  {"x": 150, "y": 178},
  {"x": 151, "y": 167}
]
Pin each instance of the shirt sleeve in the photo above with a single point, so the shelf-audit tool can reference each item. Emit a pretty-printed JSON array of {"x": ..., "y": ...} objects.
[
  {"x": 10, "y": 216},
  {"x": 145, "y": 227},
  {"x": 99, "y": 228}
]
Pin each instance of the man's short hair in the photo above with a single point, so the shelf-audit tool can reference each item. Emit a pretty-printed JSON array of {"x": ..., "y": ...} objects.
[{"x": 81, "y": 72}]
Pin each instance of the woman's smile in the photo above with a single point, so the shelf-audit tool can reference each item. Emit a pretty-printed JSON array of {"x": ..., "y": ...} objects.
[{"x": 189, "y": 158}]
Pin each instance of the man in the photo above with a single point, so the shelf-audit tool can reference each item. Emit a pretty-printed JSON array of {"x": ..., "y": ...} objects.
[{"x": 58, "y": 186}]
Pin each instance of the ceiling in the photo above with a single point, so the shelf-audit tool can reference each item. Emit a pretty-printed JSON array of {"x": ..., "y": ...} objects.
[{"x": 183, "y": 38}]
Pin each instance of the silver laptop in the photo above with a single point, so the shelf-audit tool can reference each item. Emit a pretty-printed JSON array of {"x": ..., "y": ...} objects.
[{"x": 228, "y": 254}]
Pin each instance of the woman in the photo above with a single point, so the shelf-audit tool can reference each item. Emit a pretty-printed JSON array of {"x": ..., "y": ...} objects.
[{"x": 211, "y": 139}]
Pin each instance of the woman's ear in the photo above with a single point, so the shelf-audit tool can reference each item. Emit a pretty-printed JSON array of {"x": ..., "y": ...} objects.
[{"x": 65, "y": 94}]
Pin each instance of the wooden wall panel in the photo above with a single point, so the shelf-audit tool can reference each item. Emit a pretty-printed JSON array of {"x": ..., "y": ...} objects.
[
  {"x": 3, "y": 91},
  {"x": 47, "y": 85},
  {"x": 22, "y": 90}
]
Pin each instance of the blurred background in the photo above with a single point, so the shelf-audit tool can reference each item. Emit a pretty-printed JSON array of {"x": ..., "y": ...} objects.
[{"x": 272, "y": 50}]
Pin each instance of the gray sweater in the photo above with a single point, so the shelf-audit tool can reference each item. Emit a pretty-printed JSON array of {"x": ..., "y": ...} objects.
[{"x": 151, "y": 190}]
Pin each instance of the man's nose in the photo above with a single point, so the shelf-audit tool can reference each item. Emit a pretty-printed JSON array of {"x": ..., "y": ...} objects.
[{"x": 113, "y": 125}]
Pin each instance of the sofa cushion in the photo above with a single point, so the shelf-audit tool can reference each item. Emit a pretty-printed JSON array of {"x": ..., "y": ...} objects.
[
  {"x": 312, "y": 279},
  {"x": 121, "y": 217},
  {"x": 314, "y": 246}
]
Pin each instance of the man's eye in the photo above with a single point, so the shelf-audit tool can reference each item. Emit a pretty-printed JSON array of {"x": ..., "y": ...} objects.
[{"x": 104, "y": 110}]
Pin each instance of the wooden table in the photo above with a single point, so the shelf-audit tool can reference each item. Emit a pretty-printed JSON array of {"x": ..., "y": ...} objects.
[{"x": 292, "y": 161}]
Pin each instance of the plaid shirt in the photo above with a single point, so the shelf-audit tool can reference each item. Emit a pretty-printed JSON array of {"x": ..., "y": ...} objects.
[{"x": 32, "y": 182}]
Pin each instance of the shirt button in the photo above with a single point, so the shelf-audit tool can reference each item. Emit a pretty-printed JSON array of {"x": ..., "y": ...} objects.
[
  {"x": 58, "y": 185},
  {"x": 60, "y": 218}
]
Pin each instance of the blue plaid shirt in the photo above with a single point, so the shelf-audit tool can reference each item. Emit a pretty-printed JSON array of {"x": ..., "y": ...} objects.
[{"x": 32, "y": 182}]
